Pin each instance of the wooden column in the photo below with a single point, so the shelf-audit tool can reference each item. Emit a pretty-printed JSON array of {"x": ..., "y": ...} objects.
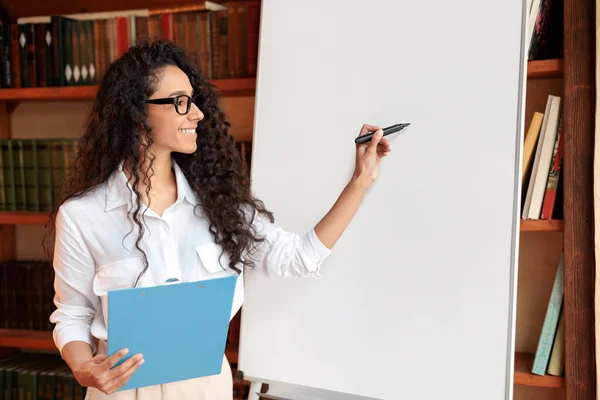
[{"x": 579, "y": 109}]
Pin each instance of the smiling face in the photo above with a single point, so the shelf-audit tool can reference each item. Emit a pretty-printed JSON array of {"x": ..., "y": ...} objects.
[{"x": 172, "y": 131}]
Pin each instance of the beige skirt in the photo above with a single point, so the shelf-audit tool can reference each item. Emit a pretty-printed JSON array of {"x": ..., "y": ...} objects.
[{"x": 216, "y": 387}]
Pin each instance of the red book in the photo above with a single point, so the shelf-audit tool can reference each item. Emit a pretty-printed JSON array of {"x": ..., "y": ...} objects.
[
  {"x": 122, "y": 35},
  {"x": 554, "y": 174},
  {"x": 253, "y": 35},
  {"x": 166, "y": 21}
]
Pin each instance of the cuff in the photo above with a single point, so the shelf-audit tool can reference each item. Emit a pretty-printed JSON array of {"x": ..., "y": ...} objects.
[
  {"x": 63, "y": 335},
  {"x": 318, "y": 251}
]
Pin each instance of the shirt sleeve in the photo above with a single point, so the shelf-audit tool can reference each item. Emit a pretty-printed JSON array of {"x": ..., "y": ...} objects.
[
  {"x": 74, "y": 298},
  {"x": 286, "y": 253}
]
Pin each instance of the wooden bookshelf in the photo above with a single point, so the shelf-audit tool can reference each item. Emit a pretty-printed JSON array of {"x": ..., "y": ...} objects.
[
  {"x": 229, "y": 87},
  {"x": 541, "y": 225},
  {"x": 42, "y": 340},
  {"x": 574, "y": 73},
  {"x": 524, "y": 377},
  {"x": 544, "y": 69}
]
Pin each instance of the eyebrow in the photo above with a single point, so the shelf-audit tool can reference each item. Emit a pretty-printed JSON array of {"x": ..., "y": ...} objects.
[{"x": 177, "y": 92}]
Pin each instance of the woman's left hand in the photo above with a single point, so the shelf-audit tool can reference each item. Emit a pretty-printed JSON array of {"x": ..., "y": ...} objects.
[{"x": 369, "y": 155}]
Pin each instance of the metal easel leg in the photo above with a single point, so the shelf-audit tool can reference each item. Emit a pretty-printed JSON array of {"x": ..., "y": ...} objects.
[{"x": 255, "y": 388}]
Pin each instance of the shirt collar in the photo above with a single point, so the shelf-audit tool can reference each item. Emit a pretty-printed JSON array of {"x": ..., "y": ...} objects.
[{"x": 119, "y": 191}]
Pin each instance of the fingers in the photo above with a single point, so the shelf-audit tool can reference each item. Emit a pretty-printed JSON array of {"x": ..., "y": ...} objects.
[
  {"x": 125, "y": 366},
  {"x": 122, "y": 378},
  {"x": 114, "y": 359},
  {"x": 372, "y": 148},
  {"x": 368, "y": 128},
  {"x": 384, "y": 145}
]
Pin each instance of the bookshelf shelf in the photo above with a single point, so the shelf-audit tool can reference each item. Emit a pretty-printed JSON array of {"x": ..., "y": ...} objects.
[
  {"x": 228, "y": 87},
  {"x": 23, "y": 339},
  {"x": 23, "y": 218},
  {"x": 18, "y": 8},
  {"x": 40, "y": 218},
  {"x": 524, "y": 377},
  {"x": 545, "y": 69},
  {"x": 542, "y": 225},
  {"x": 42, "y": 340}
]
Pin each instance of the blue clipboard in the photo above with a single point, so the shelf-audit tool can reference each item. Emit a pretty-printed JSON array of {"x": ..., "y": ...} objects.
[{"x": 181, "y": 329}]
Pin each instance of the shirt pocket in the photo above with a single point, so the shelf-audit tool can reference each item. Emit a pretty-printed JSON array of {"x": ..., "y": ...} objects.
[
  {"x": 210, "y": 258},
  {"x": 120, "y": 274}
]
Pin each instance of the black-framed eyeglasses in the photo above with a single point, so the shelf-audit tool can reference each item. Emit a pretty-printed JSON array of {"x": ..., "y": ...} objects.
[{"x": 182, "y": 103}]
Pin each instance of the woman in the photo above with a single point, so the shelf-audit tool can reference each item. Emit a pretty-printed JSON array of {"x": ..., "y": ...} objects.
[{"x": 157, "y": 194}]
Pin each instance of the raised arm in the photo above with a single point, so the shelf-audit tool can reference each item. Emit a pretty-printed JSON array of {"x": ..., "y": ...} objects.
[{"x": 289, "y": 254}]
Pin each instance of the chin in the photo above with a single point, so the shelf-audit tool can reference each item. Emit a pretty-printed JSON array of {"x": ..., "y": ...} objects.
[{"x": 188, "y": 149}]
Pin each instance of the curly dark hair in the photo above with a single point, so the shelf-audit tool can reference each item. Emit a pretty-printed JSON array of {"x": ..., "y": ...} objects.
[{"x": 116, "y": 132}]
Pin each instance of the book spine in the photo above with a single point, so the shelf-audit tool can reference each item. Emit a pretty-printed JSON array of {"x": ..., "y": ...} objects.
[
  {"x": 553, "y": 176},
  {"x": 546, "y": 340}
]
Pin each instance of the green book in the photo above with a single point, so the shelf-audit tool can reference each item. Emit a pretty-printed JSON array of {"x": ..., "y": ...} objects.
[
  {"x": 44, "y": 175},
  {"x": 31, "y": 181},
  {"x": 8, "y": 174},
  {"x": 58, "y": 169},
  {"x": 19, "y": 172}
]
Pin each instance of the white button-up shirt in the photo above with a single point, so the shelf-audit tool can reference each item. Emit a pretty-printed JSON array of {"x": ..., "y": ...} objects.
[{"x": 95, "y": 252}]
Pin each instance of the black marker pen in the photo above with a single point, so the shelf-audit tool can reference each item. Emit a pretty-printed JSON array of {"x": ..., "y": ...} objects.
[{"x": 386, "y": 131}]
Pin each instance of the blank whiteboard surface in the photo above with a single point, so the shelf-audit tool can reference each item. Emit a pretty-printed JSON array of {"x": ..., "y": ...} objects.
[{"x": 416, "y": 301}]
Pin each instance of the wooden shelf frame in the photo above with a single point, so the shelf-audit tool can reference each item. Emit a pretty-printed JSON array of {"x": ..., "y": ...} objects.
[
  {"x": 542, "y": 225},
  {"x": 524, "y": 377},
  {"x": 545, "y": 69},
  {"x": 42, "y": 340},
  {"x": 18, "y": 8},
  {"x": 226, "y": 87},
  {"x": 40, "y": 218}
]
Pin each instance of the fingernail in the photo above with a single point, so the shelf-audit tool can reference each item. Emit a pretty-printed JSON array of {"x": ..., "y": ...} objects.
[
  {"x": 141, "y": 362},
  {"x": 379, "y": 132}
]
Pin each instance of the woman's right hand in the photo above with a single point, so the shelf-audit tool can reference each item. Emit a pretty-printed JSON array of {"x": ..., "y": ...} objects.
[{"x": 98, "y": 372}]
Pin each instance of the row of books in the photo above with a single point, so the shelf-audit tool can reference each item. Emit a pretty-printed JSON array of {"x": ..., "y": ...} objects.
[
  {"x": 77, "y": 49},
  {"x": 550, "y": 353},
  {"x": 542, "y": 163},
  {"x": 33, "y": 172},
  {"x": 26, "y": 295},
  {"x": 544, "y": 32},
  {"x": 38, "y": 376}
]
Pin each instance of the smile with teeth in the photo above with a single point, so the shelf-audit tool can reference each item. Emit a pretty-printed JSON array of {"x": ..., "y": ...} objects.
[{"x": 188, "y": 131}]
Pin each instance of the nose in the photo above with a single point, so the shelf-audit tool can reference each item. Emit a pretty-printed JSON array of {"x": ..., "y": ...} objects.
[{"x": 195, "y": 114}]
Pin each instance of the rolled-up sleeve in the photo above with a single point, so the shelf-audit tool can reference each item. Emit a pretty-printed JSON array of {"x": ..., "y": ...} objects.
[
  {"x": 74, "y": 298},
  {"x": 287, "y": 253}
]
